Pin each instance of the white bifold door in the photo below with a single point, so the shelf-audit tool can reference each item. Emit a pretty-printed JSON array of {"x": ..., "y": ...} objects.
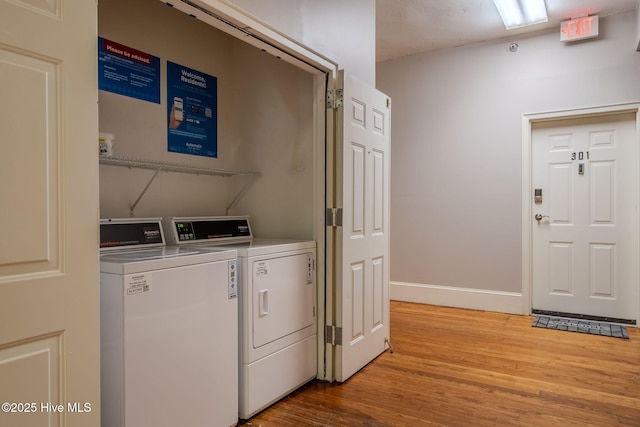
[{"x": 361, "y": 228}]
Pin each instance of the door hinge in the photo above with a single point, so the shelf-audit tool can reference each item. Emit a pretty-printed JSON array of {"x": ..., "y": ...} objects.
[
  {"x": 335, "y": 98},
  {"x": 333, "y": 335},
  {"x": 333, "y": 217}
]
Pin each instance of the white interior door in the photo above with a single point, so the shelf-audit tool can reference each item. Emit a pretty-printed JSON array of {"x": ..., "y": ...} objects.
[
  {"x": 585, "y": 243},
  {"x": 362, "y": 242},
  {"x": 49, "y": 285}
]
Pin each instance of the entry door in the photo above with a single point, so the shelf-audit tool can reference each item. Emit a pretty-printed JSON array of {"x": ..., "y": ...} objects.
[
  {"x": 49, "y": 274},
  {"x": 585, "y": 239},
  {"x": 362, "y": 242}
]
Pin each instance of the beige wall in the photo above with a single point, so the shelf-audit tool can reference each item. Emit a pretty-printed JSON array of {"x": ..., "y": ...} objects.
[
  {"x": 343, "y": 31},
  {"x": 456, "y": 192}
]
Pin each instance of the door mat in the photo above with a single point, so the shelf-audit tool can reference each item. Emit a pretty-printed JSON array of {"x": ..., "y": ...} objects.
[{"x": 582, "y": 326}]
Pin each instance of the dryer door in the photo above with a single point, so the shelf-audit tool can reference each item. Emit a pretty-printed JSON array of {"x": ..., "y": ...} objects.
[{"x": 283, "y": 296}]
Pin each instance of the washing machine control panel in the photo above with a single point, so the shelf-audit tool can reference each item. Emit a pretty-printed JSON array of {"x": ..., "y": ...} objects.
[{"x": 130, "y": 233}]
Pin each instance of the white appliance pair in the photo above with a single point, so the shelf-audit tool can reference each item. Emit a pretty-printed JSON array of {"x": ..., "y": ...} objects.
[
  {"x": 169, "y": 336},
  {"x": 277, "y": 305}
]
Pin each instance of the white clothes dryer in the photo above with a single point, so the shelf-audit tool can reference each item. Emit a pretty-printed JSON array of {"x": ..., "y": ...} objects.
[
  {"x": 169, "y": 337},
  {"x": 277, "y": 292}
]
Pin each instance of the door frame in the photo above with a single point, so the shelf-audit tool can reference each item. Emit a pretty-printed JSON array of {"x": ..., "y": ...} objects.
[{"x": 527, "y": 190}]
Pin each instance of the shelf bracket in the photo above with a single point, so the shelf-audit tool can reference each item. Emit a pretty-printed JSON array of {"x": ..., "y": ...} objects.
[
  {"x": 133, "y": 207},
  {"x": 241, "y": 193}
]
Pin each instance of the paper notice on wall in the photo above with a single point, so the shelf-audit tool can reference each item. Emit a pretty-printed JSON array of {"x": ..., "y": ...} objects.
[
  {"x": 192, "y": 116},
  {"x": 137, "y": 283},
  {"x": 128, "y": 71}
]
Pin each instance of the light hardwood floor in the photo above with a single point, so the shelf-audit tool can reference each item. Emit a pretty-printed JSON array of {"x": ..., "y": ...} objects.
[{"x": 456, "y": 367}]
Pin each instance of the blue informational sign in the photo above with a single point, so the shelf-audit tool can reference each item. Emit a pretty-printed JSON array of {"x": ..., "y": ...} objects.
[
  {"x": 192, "y": 111},
  {"x": 127, "y": 71}
]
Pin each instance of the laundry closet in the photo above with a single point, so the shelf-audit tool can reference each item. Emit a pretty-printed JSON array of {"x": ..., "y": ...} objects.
[
  {"x": 265, "y": 147},
  {"x": 198, "y": 158}
]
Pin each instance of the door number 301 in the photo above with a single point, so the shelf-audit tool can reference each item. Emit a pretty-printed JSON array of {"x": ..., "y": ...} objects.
[{"x": 580, "y": 155}]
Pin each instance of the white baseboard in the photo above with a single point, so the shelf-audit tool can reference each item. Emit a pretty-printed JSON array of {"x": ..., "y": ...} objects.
[{"x": 477, "y": 299}]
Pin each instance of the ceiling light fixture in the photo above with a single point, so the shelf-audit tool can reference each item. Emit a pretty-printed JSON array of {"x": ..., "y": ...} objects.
[{"x": 519, "y": 13}]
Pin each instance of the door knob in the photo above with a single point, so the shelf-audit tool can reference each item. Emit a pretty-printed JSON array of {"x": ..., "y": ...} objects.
[{"x": 538, "y": 217}]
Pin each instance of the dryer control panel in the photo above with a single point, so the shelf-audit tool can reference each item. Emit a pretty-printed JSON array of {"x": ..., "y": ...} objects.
[{"x": 225, "y": 229}]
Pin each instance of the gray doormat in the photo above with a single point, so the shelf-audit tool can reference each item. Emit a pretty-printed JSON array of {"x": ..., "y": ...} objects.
[{"x": 582, "y": 326}]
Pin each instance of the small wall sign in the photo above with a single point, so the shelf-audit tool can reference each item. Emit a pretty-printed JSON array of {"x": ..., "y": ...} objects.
[
  {"x": 579, "y": 28},
  {"x": 192, "y": 115},
  {"x": 128, "y": 71}
]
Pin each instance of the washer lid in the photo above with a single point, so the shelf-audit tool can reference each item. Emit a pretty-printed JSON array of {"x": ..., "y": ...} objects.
[
  {"x": 144, "y": 260},
  {"x": 147, "y": 254}
]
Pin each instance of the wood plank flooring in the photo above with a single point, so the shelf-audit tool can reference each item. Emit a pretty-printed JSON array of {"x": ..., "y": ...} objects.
[{"x": 456, "y": 367}]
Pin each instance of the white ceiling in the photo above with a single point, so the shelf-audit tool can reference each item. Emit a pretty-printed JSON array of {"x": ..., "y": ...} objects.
[{"x": 407, "y": 27}]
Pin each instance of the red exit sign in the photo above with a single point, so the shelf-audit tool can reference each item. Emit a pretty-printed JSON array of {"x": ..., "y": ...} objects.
[{"x": 579, "y": 28}]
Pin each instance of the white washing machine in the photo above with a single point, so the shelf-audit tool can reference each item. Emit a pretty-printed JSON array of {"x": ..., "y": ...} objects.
[
  {"x": 277, "y": 291},
  {"x": 169, "y": 336}
]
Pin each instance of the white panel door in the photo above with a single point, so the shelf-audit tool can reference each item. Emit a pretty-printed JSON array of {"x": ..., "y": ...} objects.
[
  {"x": 585, "y": 244},
  {"x": 49, "y": 286},
  {"x": 362, "y": 243}
]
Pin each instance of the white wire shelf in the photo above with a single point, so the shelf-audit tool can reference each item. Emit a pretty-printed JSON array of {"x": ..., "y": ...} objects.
[{"x": 171, "y": 167}]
